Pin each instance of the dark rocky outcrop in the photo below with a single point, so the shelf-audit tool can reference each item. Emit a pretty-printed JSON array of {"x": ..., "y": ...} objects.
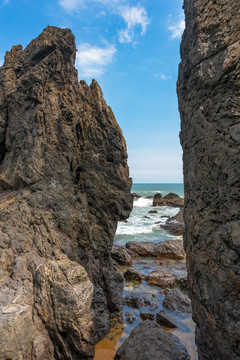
[
  {"x": 175, "y": 224},
  {"x": 136, "y": 196},
  {"x": 172, "y": 249},
  {"x": 148, "y": 341},
  {"x": 170, "y": 199},
  {"x": 208, "y": 92},
  {"x": 64, "y": 186}
]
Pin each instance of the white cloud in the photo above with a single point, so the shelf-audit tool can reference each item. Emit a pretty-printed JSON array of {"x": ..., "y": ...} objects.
[
  {"x": 1, "y": 62},
  {"x": 165, "y": 77},
  {"x": 91, "y": 61},
  {"x": 177, "y": 28},
  {"x": 134, "y": 16}
]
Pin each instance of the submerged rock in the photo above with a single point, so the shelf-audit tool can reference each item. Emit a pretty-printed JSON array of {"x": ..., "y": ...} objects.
[
  {"x": 208, "y": 93},
  {"x": 64, "y": 185},
  {"x": 146, "y": 316},
  {"x": 172, "y": 249},
  {"x": 130, "y": 317},
  {"x": 148, "y": 341},
  {"x": 170, "y": 199},
  {"x": 175, "y": 300}
]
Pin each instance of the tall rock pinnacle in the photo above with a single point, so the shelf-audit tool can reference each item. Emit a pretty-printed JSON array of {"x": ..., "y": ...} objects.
[
  {"x": 209, "y": 104},
  {"x": 64, "y": 184}
]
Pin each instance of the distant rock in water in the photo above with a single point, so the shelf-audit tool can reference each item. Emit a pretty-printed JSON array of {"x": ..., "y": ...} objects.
[
  {"x": 64, "y": 184},
  {"x": 170, "y": 199},
  {"x": 209, "y": 105},
  {"x": 137, "y": 196}
]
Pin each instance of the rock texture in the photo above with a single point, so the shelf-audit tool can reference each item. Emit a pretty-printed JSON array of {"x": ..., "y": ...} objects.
[
  {"x": 148, "y": 341},
  {"x": 208, "y": 92},
  {"x": 64, "y": 185}
]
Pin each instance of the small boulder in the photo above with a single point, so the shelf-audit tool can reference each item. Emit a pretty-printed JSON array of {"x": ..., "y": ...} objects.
[
  {"x": 162, "y": 278},
  {"x": 148, "y": 341},
  {"x": 133, "y": 275},
  {"x": 165, "y": 320},
  {"x": 153, "y": 212},
  {"x": 120, "y": 255},
  {"x": 149, "y": 197},
  {"x": 175, "y": 300}
]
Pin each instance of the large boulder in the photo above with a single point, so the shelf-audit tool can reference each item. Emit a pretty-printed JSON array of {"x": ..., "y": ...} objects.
[
  {"x": 162, "y": 278},
  {"x": 170, "y": 199},
  {"x": 172, "y": 249},
  {"x": 148, "y": 341},
  {"x": 64, "y": 185}
]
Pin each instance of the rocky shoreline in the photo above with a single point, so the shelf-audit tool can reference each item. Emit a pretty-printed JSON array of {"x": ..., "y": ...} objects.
[{"x": 155, "y": 298}]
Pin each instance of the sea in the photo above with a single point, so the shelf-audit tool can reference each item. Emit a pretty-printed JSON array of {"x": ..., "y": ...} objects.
[
  {"x": 145, "y": 226},
  {"x": 142, "y": 226}
]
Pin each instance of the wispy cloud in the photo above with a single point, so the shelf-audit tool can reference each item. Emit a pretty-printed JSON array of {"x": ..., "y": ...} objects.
[
  {"x": 165, "y": 77},
  {"x": 91, "y": 61},
  {"x": 177, "y": 28},
  {"x": 1, "y": 62},
  {"x": 135, "y": 16}
]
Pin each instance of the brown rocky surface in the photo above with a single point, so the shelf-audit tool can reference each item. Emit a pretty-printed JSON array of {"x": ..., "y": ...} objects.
[
  {"x": 208, "y": 92},
  {"x": 170, "y": 199},
  {"x": 175, "y": 224},
  {"x": 172, "y": 249},
  {"x": 148, "y": 341},
  {"x": 162, "y": 278},
  {"x": 64, "y": 186}
]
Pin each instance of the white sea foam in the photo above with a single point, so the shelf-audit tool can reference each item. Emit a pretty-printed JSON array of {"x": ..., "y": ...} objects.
[{"x": 141, "y": 202}]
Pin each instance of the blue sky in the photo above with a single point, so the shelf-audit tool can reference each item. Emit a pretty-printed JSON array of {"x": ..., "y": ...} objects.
[{"x": 132, "y": 49}]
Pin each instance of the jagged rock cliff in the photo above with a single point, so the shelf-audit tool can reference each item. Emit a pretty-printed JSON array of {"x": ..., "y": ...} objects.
[
  {"x": 209, "y": 104},
  {"x": 64, "y": 184}
]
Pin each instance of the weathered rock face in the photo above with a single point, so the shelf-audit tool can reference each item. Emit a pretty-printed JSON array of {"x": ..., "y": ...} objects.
[
  {"x": 208, "y": 91},
  {"x": 64, "y": 185}
]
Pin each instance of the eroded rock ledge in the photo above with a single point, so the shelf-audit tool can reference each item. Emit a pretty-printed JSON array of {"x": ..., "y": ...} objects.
[
  {"x": 64, "y": 184},
  {"x": 208, "y": 91}
]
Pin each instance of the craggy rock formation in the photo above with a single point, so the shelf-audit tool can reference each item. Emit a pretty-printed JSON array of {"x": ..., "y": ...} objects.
[
  {"x": 175, "y": 224},
  {"x": 170, "y": 199},
  {"x": 148, "y": 341},
  {"x": 208, "y": 91},
  {"x": 64, "y": 185},
  {"x": 172, "y": 249}
]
